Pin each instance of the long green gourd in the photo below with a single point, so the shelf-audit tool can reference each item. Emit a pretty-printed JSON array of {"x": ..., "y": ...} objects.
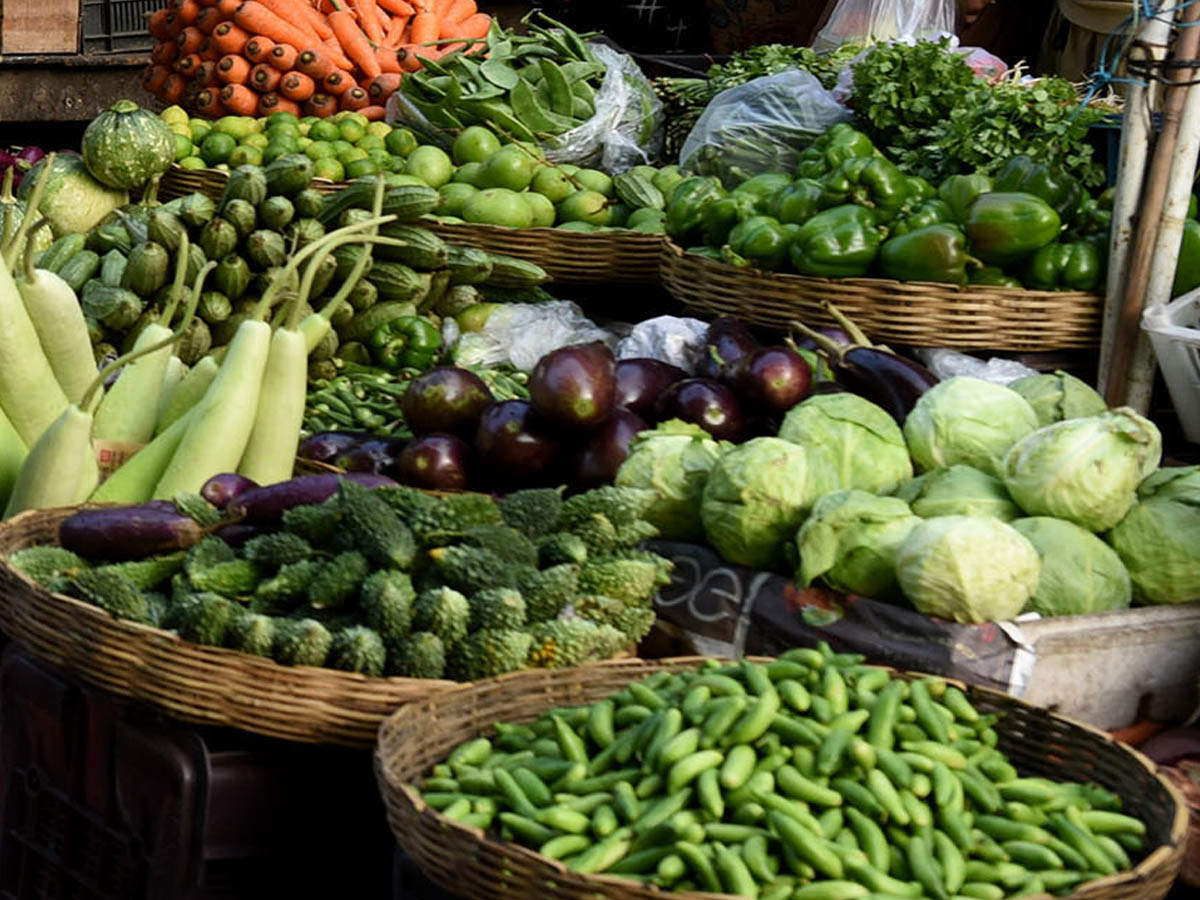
[{"x": 188, "y": 393}]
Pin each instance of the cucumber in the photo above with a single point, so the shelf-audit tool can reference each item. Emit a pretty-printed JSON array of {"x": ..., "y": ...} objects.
[
  {"x": 112, "y": 268},
  {"x": 79, "y": 268},
  {"x": 508, "y": 271},
  {"x": 54, "y": 257}
]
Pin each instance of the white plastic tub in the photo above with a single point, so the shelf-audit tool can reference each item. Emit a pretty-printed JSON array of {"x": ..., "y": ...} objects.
[{"x": 1174, "y": 330}]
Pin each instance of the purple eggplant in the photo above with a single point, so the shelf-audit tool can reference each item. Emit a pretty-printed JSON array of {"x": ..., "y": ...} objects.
[
  {"x": 221, "y": 489},
  {"x": 372, "y": 455},
  {"x": 835, "y": 334},
  {"x": 447, "y": 399},
  {"x": 238, "y": 533},
  {"x": 602, "y": 455},
  {"x": 513, "y": 442},
  {"x": 30, "y": 155},
  {"x": 773, "y": 379},
  {"x": 325, "y": 446},
  {"x": 640, "y": 382},
  {"x": 435, "y": 461},
  {"x": 725, "y": 343},
  {"x": 266, "y": 504},
  {"x": 128, "y": 532},
  {"x": 707, "y": 403},
  {"x": 575, "y": 387}
]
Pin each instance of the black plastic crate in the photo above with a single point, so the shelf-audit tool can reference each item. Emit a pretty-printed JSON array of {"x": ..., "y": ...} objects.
[{"x": 117, "y": 26}]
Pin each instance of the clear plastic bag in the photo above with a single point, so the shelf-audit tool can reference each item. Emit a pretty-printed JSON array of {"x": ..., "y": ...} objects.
[
  {"x": 522, "y": 333},
  {"x": 669, "y": 339},
  {"x": 627, "y": 129},
  {"x": 760, "y": 126},
  {"x": 949, "y": 363},
  {"x": 867, "y": 21}
]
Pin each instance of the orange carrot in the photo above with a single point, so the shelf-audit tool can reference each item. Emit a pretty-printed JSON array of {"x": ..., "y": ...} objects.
[
  {"x": 283, "y": 57},
  {"x": 233, "y": 69},
  {"x": 334, "y": 50},
  {"x": 424, "y": 28},
  {"x": 208, "y": 103},
  {"x": 394, "y": 36},
  {"x": 190, "y": 39},
  {"x": 297, "y": 86},
  {"x": 389, "y": 61},
  {"x": 373, "y": 113},
  {"x": 273, "y": 103},
  {"x": 164, "y": 53},
  {"x": 409, "y": 61},
  {"x": 353, "y": 42},
  {"x": 337, "y": 83},
  {"x": 398, "y": 7},
  {"x": 257, "y": 19},
  {"x": 239, "y": 99},
  {"x": 172, "y": 26},
  {"x": 154, "y": 78},
  {"x": 187, "y": 10},
  {"x": 438, "y": 7},
  {"x": 320, "y": 105},
  {"x": 457, "y": 11},
  {"x": 205, "y": 74},
  {"x": 313, "y": 62},
  {"x": 369, "y": 20},
  {"x": 173, "y": 88},
  {"x": 227, "y": 7},
  {"x": 186, "y": 65},
  {"x": 475, "y": 26},
  {"x": 263, "y": 78},
  {"x": 228, "y": 38},
  {"x": 208, "y": 19},
  {"x": 304, "y": 11},
  {"x": 208, "y": 2},
  {"x": 355, "y": 98},
  {"x": 292, "y": 12},
  {"x": 257, "y": 49},
  {"x": 382, "y": 87},
  {"x": 157, "y": 23}
]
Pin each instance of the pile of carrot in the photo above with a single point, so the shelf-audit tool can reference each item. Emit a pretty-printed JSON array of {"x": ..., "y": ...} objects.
[{"x": 257, "y": 57}]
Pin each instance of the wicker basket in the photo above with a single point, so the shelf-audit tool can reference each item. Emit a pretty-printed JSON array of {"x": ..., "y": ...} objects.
[
  {"x": 470, "y": 863},
  {"x": 1185, "y": 775},
  {"x": 906, "y": 313},
  {"x": 178, "y": 181},
  {"x": 205, "y": 685},
  {"x": 572, "y": 257}
]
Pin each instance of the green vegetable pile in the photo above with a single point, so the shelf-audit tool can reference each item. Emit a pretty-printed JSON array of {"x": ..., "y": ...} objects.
[
  {"x": 397, "y": 582},
  {"x": 811, "y": 777}
]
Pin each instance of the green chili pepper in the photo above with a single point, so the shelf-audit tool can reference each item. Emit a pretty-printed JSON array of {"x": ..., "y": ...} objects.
[{"x": 405, "y": 341}]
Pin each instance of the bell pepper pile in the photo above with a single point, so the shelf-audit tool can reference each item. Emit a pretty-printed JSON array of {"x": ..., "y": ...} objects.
[{"x": 848, "y": 211}]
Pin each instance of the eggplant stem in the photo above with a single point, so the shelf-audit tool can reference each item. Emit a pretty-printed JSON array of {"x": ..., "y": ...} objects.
[
  {"x": 856, "y": 334},
  {"x": 825, "y": 344}
]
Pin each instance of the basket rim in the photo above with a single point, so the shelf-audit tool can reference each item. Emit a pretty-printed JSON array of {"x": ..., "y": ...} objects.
[{"x": 1176, "y": 841}]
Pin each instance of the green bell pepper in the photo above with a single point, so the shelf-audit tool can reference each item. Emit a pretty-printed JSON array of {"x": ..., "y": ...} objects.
[
  {"x": 932, "y": 253},
  {"x": 930, "y": 212},
  {"x": 1022, "y": 174},
  {"x": 1091, "y": 219},
  {"x": 868, "y": 181},
  {"x": 799, "y": 201},
  {"x": 839, "y": 242},
  {"x": 992, "y": 276},
  {"x": 1005, "y": 227},
  {"x": 830, "y": 150},
  {"x": 718, "y": 216},
  {"x": 919, "y": 190},
  {"x": 960, "y": 191},
  {"x": 406, "y": 342},
  {"x": 762, "y": 240},
  {"x": 1071, "y": 266},
  {"x": 712, "y": 253},
  {"x": 1187, "y": 270},
  {"x": 730, "y": 258},
  {"x": 686, "y": 206},
  {"x": 763, "y": 188}
]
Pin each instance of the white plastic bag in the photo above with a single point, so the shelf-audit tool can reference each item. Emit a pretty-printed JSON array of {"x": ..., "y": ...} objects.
[
  {"x": 949, "y": 363},
  {"x": 522, "y": 333},
  {"x": 760, "y": 126},
  {"x": 867, "y": 21},
  {"x": 669, "y": 339}
]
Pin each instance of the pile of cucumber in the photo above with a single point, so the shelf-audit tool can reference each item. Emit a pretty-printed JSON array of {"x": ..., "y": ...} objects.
[{"x": 811, "y": 777}]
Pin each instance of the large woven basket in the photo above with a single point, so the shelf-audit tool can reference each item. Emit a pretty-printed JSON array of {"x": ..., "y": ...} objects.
[
  {"x": 572, "y": 257},
  {"x": 470, "y": 863},
  {"x": 905, "y": 313},
  {"x": 178, "y": 181},
  {"x": 205, "y": 685}
]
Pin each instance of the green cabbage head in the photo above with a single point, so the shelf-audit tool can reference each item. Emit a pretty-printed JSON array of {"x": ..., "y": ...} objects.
[
  {"x": 967, "y": 420},
  {"x": 850, "y": 540},
  {"x": 1084, "y": 470},
  {"x": 756, "y": 497},
  {"x": 967, "y": 569},
  {"x": 674, "y": 462},
  {"x": 1159, "y": 540},
  {"x": 1080, "y": 573},
  {"x": 852, "y": 443},
  {"x": 958, "y": 491},
  {"x": 1058, "y": 396}
]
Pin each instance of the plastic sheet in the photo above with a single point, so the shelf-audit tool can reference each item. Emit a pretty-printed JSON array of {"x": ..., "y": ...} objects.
[
  {"x": 949, "y": 363},
  {"x": 522, "y": 333},
  {"x": 669, "y": 339},
  {"x": 867, "y": 21}
]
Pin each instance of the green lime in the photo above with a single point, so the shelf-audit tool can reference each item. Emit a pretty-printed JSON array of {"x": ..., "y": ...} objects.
[
  {"x": 400, "y": 142},
  {"x": 245, "y": 155},
  {"x": 302, "y": 143},
  {"x": 370, "y": 142},
  {"x": 285, "y": 140},
  {"x": 351, "y": 130},
  {"x": 192, "y": 162},
  {"x": 199, "y": 129},
  {"x": 552, "y": 182},
  {"x": 319, "y": 150},
  {"x": 184, "y": 130},
  {"x": 585, "y": 206},
  {"x": 498, "y": 206},
  {"x": 340, "y": 146},
  {"x": 309, "y": 121},
  {"x": 328, "y": 167},
  {"x": 234, "y": 126},
  {"x": 379, "y": 129},
  {"x": 431, "y": 165},
  {"x": 454, "y": 197},
  {"x": 283, "y": 130},
  {"x": 470, "y": 174},
  {"x": 474, "y": 144},
  {"x": 183, "y": 147},
  {"x": 282, "y": 118},
  {"x": 647, "y": 219},
  {"x": 256, "y": 140},
  {"x": 304, "y": 129},
  {"x": 216, "y": 147},
  {"x": 348, "y": 156},
  {"x": 541, "y": 208},
  {"x": 595, "y": 180},
  {"x": 509, "y": 167},
  {"x": 381, "y": 158},
  {"x": 360, "y": 167},
  {"x": 274, "y": 150},
  {"x": 397, "y": 164},
  {"x": 324, "y": 130}
]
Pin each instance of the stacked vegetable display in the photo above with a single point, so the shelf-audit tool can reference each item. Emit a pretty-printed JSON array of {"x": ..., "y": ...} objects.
[
  {"x": 347, "y": 573},
  {"x": 811, "y": 777},
  {"x": 289, "y": 56}
]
